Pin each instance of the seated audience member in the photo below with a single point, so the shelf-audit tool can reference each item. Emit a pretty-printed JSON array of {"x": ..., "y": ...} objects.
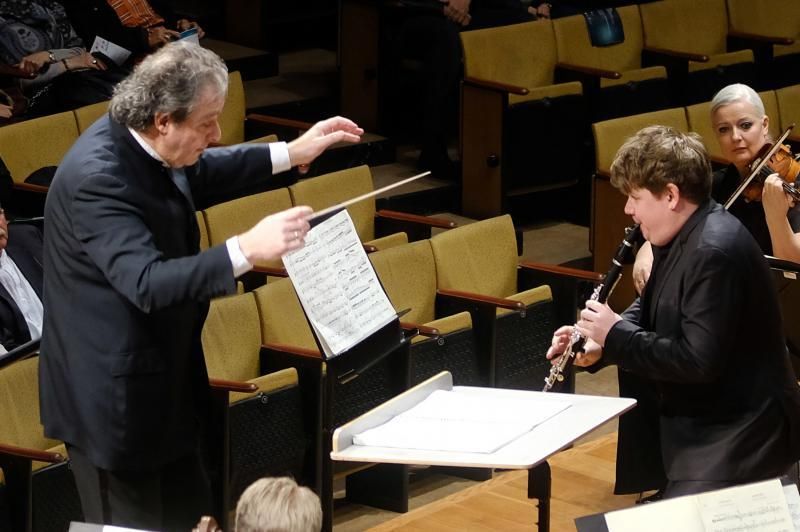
[
  {"x": 278, "y": 504},
  {"x": 21, "y": 277},
  {"x": 56, "y": 72},
  {"x": 140, "y": 26}
]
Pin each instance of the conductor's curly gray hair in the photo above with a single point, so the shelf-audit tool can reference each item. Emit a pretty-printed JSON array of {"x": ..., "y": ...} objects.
[{"x": 169, "y": 81}]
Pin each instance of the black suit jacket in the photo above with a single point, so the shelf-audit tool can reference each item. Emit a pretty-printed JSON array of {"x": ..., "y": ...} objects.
[
  {"x": 25, "y": 249},
  {"x": 122, "y": 374},
  {"x": 712, "y": 341}
]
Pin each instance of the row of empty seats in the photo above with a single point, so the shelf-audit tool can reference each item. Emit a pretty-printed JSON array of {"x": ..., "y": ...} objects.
[{"x": 531, "y": 90}]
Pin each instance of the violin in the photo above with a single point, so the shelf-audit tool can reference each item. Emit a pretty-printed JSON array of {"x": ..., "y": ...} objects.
[{"x": 771, "y": 159}]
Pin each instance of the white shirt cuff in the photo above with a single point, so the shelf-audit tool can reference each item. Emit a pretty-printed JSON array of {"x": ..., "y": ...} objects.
[
  {"x": 239, "y": 262},
  {"x": 279, "y": 153}
]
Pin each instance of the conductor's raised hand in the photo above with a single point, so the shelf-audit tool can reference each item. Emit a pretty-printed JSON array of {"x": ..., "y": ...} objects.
[
  {"x": 276, "y": 235},
  {"x": 304, "y": 149}
]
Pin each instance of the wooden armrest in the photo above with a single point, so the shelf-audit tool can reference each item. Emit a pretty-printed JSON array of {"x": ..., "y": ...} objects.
[
  {"x": 482, "y": 299},
  {"x": 32, "y": 454},
  {"x": 496, "y": 86},
  {"x": 431, "y": 221},
  {"x": 602, "y": 173},
  {"x": 294, "y": 350},
  {"x": 369, "y": 248},
  {"x": 599, "y": 72},
  {"x": 770, "y": 39},
  {"x": 564, "y": 271},
  {"x": 424, "y": 330},
  {"x": 232, "y": 386},
  {"x": 277, "y": 121},
  {"x": 20, "y": 352},
  {"x": 30, "y": 187},
  {"x": 675, "y": 53},
  {"x": 270, "y": 270}
]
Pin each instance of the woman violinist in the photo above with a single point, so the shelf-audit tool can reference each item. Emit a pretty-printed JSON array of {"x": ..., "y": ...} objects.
[{"x": 742, "y": 129}]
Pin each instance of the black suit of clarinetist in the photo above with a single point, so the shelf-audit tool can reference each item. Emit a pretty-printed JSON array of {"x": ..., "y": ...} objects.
[{"x": 708, "y": 332}]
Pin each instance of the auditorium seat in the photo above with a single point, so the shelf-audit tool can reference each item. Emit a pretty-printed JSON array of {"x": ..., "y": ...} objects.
[
  {"x": 521, "y": 132},
  {"x": 789, "y": 112},
  {"x": 699, "y": 120},
  {"x": 478, "y": 270},
  {"x": 234, "y": 217},
  {"x": 288, "y": 342},
  {"x": 31, "y": 150},
  {"x": 88, "y": 114},
  {"x": 260, "y": 417},
  {"x": 612, "y": 76},
  {"x": 771, "y": 28},
  {"x": 376, "y": 229},
  {"x": 36, "y": 481},
  {"x": 608, "y": 217},
  {"x": 201, "y": 226},
  {"x": 689, "y": 39},
  {"x": 408, "y": 274}
]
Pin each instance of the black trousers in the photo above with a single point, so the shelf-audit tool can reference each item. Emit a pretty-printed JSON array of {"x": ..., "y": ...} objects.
[{"x": 171, "y": 498}]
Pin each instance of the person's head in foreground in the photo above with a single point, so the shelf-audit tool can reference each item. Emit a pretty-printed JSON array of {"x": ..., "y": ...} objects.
[
  {"x": 278, "y": 504},
  {"x": 666, "y": 175}
]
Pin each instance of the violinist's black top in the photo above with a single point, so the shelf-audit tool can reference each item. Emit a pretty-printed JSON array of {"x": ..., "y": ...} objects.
[{"x": 751, "y": 214}]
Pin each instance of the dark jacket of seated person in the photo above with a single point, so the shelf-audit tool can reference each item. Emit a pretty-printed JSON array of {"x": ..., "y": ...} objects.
[{"x": 21, "y": 276}]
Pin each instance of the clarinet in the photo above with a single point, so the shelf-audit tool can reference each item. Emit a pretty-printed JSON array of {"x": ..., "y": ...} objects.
[{"x": 600, "y": 294}]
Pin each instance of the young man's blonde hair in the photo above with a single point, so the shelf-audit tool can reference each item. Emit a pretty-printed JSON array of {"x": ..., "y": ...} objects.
[
  {"x": 278, "y": 504},
  {"x": 659, "y": 155}
]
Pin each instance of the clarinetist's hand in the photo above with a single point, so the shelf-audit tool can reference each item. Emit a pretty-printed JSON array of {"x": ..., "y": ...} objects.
[
  {"x": 596, "y": 320},
  {"x": 559, "y": 343},
  {"x": 561, "y": 339}
]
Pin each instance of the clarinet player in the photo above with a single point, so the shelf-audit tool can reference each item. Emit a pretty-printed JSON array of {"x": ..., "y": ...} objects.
[{"x": 707, "y": 329}]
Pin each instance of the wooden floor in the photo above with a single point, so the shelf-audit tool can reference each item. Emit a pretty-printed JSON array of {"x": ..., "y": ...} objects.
[{"x": 583, "y": 482}]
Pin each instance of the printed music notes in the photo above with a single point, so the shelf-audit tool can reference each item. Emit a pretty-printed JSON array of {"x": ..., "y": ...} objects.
[
  {"x": 758, "y": 507},
  {"x": 337, "y": 286}
]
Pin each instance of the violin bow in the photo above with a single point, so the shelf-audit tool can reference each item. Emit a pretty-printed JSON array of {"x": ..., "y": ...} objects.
[{"x": 764, "y": 160}]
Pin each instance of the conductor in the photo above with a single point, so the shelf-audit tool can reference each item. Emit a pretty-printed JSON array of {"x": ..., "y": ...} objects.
[{"x": 123, "y": 380}]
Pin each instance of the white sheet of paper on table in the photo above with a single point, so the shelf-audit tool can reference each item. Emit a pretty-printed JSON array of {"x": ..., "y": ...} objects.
[{"x": 456, "y": 422}]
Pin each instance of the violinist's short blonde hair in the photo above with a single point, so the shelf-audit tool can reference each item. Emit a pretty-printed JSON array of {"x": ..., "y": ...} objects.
[
  {"x": 278, "y": 504},
  {"x": 659, "y": 155},
  {"x": 737, "y": 92}
]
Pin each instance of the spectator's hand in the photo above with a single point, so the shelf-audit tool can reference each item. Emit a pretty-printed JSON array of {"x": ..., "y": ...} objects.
[
  {"x": 276, "y": 235},
  {"x": 322, "y": 135},
  {"x": 596, "y": 320},
  {"x": 642, "y": 267},
  {"x": 33, "y": 63},
  {"x": 5, "y": 111},
  {"x": 85, "y": 61},
  {"x": 185, "y": 24},
  {"x": 457, "y": 11},
  {"x": 158, "y": 36},
  {"x": 542, "y": 11}
]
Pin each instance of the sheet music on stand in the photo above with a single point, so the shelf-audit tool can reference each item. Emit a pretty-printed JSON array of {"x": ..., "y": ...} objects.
[{"x": 337, "y": 286}]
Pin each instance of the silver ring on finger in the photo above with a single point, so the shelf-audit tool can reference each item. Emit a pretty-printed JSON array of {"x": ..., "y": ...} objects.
[{"x": 94, "y": 61}]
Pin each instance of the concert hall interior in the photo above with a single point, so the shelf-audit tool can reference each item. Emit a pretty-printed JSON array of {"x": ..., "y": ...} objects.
[{"x": 519, "y": 113}]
